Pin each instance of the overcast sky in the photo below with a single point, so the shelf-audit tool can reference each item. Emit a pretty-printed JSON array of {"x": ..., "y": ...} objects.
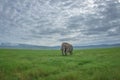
[{"x": 51, "y": 22}]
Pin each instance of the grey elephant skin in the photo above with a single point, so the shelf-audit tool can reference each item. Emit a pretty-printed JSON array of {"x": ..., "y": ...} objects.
[{"x": 66, "y": 48}]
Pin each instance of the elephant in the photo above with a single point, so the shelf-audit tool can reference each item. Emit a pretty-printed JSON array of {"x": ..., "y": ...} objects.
[{"x": 66, "y": 48}]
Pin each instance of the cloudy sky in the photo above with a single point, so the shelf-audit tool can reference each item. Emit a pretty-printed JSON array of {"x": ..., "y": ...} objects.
[{"x": 51, "y": 22}]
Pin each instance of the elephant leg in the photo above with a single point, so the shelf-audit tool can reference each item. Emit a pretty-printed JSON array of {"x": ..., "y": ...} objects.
[
  {"x": 62, "y": 52},
  {"x": 71, "y": 53},
  {"x": 65, "y": 52}
]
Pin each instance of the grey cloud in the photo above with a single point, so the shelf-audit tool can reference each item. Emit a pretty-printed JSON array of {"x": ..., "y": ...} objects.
[
  {"x": 112, "y": 10},
  {"x": 49, "y": 31},
  {"x": 59, "y": 1},
  {"x": 95, "y": 25},
  {"x": 80, "y": 21},
  {"x": 75, "y": 22},
  {"x": 70, "y": 39},
  {"x": 115, "y": 31}
]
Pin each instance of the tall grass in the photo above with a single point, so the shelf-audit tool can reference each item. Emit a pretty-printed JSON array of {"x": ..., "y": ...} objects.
[{"x": 91, "y": 64}]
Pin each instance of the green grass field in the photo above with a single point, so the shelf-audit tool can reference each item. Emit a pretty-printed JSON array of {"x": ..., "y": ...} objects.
[{"x": 90, "y": 64}]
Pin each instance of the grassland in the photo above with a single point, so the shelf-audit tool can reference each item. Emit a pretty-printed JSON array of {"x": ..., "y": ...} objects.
[{"x": 91, "y": 64}]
